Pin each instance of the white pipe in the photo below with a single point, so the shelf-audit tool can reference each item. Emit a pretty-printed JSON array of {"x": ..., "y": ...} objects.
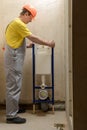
[{"x": 43, "y": 79}]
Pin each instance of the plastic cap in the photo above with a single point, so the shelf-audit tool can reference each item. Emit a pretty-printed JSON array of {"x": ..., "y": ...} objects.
[{"x": 31, "y": 9}]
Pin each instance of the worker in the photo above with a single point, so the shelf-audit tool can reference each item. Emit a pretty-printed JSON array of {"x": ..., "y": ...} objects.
[{"x": 16, "y": 34}]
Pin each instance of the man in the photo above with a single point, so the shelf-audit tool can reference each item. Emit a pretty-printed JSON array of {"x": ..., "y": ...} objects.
[{"x": 16, "y": 32}]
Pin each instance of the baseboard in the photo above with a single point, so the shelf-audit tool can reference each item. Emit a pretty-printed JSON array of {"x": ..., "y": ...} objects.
[{"x": 58, "y": 105}]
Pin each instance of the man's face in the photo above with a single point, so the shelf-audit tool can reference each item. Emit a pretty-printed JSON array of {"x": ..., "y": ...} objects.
[{"x": 28, "y": 18}]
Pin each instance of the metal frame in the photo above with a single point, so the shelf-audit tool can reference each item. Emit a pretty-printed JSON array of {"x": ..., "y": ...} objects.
[{"x": 38, "y": 87}]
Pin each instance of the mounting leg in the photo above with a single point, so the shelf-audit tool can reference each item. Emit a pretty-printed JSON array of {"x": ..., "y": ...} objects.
[
  {"x": 53, "y": 109},
  {"x": 33, "y": 108}
]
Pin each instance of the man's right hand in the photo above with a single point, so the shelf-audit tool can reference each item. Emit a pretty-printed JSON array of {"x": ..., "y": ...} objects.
[{"x": 52, "y": 44}]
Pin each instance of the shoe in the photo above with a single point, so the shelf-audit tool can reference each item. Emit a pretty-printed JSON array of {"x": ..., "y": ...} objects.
[
  {"x": 21, "y": 110},
  {"x": 16, "y": 120}
]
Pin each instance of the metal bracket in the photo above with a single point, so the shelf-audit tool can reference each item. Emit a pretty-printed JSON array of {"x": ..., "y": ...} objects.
[{"x": 59, "y": 126}]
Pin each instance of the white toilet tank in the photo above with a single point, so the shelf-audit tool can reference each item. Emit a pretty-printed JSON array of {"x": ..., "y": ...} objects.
[{"x": 42, "y": 59}]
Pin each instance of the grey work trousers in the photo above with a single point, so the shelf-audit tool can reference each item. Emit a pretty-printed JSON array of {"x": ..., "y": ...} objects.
[{"x": 14, "y": 59}]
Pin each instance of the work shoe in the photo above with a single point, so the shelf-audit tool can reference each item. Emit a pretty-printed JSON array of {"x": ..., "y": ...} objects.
[
  {"x": 21, "y": 110},
  {"x": 16, "y": 120}
]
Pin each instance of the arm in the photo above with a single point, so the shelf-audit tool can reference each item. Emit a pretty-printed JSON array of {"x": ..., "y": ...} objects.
[{"x": 39, "y": 41}]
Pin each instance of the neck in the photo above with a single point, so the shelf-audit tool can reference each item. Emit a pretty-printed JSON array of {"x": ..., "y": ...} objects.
[{"x": 22, "y": 19}]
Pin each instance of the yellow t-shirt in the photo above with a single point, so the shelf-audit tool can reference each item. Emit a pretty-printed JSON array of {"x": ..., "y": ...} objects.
[{"x": 16, "y": 31}]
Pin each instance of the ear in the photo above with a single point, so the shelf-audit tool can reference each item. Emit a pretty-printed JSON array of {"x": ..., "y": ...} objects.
[{"x": 26, "y": 13}]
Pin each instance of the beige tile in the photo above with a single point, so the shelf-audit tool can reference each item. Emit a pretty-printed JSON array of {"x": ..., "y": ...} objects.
[{"x": 37, "y": 121}]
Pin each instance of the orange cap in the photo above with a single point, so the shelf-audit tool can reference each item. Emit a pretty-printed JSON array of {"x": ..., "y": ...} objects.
[{"x": 31, "y": 9}]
